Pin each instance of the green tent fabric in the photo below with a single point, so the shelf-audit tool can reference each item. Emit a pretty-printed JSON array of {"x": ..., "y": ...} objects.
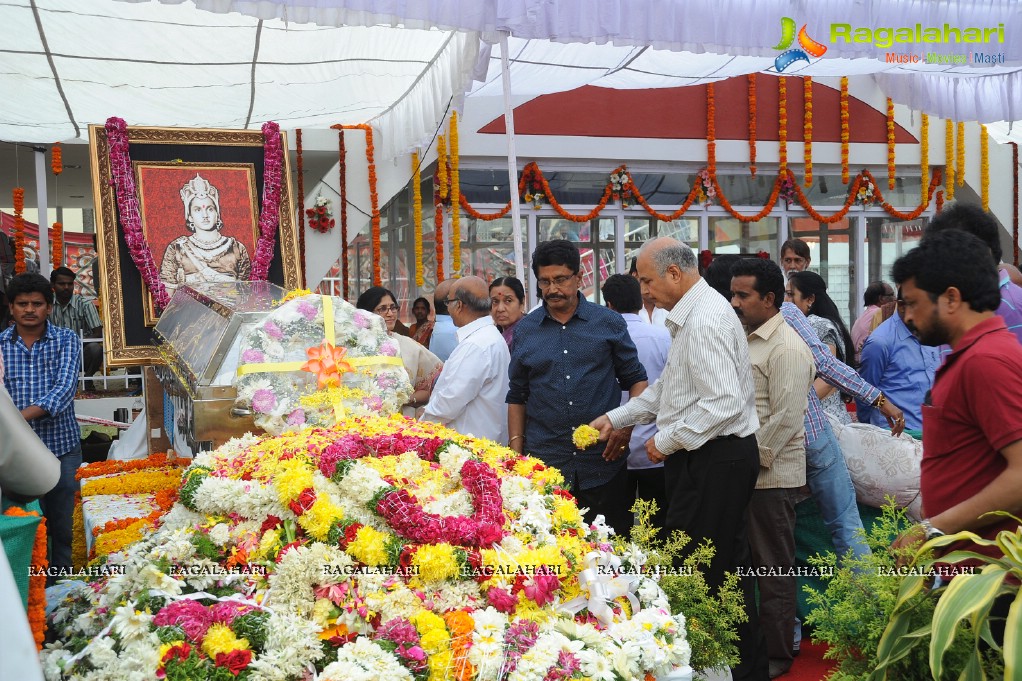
[{"x": 18, "y": 536}]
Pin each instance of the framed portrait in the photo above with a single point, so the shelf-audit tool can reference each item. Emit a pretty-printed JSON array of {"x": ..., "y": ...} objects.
[{"x": 199, "y": 194}]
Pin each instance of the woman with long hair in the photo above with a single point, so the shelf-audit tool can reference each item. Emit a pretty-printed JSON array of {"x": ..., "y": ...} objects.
[
  {"x": 808, "y": 291},
  {"x": 507, "y": 305},
  {"x": 423, "y": 366}
]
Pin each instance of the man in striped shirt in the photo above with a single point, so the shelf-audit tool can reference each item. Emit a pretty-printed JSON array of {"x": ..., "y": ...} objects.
[
  {"x": 704, "y": 405},
  {"x": 78, "y": 314}
]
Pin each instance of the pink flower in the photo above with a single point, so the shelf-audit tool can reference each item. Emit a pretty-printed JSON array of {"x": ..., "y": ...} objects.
[
  {"x": 191, "y": 616},
  {"x": 501, "y": 599},
  {"x": 225, "y": 612},
  {"x": 252, "y": 355},
  {"x": 385, "y": 381},
  {"x": 264, "y": 400},
  {"x": 388, "y": 349},
  {"x": 361, "y": 321},
  {"x": 373, "y": 402},
  {"x": 272, "y": 330},
  {"x": 306, "y": 309},
  {"x": 541, "y": 588},
  {"x": 296, "y": 418}
]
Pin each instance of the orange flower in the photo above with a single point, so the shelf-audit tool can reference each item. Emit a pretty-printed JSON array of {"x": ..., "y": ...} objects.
[
  {"x": 924, "y": 158},
  {"x": 328, "y": 363},
  {"x": 844, "y": 129},
  {"x": 56, "y": 159},
  {"x": 455, "y": 198},
  {"x": 37, "y": 580},
  {"x": 949, "y": 157},
  {"x": 374, "y": 200},
  {"x": 807, "y": 130},
  {"x": 890, "y": 143},
  {"x": 711, "y": 131},
  {"x": 752, "y": 124},
  {"x": 58, "y": 245},
  {"x": 782, "y": 122}
]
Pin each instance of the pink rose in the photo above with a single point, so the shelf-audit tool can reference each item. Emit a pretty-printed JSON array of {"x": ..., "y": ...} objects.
[{"x": 501, "y": 600}]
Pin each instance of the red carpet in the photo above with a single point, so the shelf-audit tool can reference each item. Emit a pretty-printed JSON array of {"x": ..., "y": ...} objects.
[{"x": 810, "y": 665}]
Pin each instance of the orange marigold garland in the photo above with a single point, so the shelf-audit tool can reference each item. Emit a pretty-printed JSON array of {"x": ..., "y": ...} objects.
[
  {"x": 844, "y": 129},
  {"x": 711, "y": 131},
  {"x": 37, "y": 580},
  {"x": 949, "y": 158},
  {"x": 890, "y": 143},
  {"x": 960, "y": 154},
  {"x": 417, "y": 218},
  {"x": 19, "y": 230},
  {"x": 57, "y": 240},
  {"x": 455, "y": 203},
  {"x": 984, "y": 167},
  {"x": 924, "y": 158},
  {"x": 782, "y": 123},
  {"x": 56, "y": 159},
  {"x": 807, "y": 130},
  {"x": 752, "y": 124},
  {"x": 374, "y": 202},
  {"x": 461, "y": 626}
]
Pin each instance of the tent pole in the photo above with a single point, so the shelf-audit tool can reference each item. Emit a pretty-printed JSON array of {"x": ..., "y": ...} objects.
[
  {"x": 512, "y": 160},
  {"x": 45, "y": 264}
]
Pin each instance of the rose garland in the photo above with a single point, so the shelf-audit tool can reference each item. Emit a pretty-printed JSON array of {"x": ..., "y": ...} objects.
[
  {"x": 301, "y": 193},
  {"x": 890, "y": 143},
  {"x": 269, "y": 216},
  {"x": 37, "y": 579},
  {"x": 19, "y": 230},
  {"x": 711, "y": 130},
  {"x": 984, "y": 167},
  {"x": 342, "y": 171},
  {"x": 782, "y": 123},
  {"x": 960, "y": 153},
  {"x": 924, "y": 157},
  {"x": 949, "y": 157},
  {"x": 807, "y": 130},
  {"x": 455, "y": 195},
  {"x": 844, "y": 129},
  {"x": 752, "y": 124},
  {"x": 417, "y": 217}
]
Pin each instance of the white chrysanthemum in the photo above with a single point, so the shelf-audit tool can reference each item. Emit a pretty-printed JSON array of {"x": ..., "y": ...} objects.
[
  {"x": 455, "y": 595},
  {"x": 515, "y": 490},
  {"x": 219, "y": 534},
  {"x": 180, "y": 517},
  {"x": 163, "y": 584},
  {"x": 536, "y": 516},
  {"x": 487, "y": 651},
  {"x": 292, "y": 643},
  {"x": 455, "y": 503},
  {"x": 129, "y": 623},
  {"x": 300, "y": 570},
  {"x": 364, "y": 659},
  {"x": 589, "y": 635},
  {"x": 394, "y": 603},
  {"x": 454, "y": 457},
  {"x": 596, "y": 665}
]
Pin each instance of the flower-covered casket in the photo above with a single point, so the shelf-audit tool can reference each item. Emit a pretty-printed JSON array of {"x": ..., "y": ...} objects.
[{"x": 379, "y": 548}]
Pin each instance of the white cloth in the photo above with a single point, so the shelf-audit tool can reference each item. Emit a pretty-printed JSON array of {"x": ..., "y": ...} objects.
[
  {"x": 706, "y": 389},
  {"x": 658, "y": 318},
  {"x": 131, "y": 443},
  {"x": 469, "y": 395}
]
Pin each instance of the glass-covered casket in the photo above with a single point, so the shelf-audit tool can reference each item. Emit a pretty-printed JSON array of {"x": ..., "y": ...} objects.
[{"x": 200, "y": 336}]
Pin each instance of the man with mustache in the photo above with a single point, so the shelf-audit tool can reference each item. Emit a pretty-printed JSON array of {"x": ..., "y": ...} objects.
[
  {"x": 42, "y": 362},
  {"x": 571, "y": 359}
]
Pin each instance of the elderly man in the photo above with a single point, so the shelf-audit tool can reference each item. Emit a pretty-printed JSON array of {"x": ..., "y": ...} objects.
[
  {"x": 445, "y": 335},
  {"x": 469, "y": 394},
  {"x": 704, "y": 405}
]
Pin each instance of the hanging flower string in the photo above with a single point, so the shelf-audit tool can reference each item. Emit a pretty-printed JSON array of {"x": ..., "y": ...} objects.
[
  {"x": 949, "y": 158},
  {"x": 57, "y": 237},
  {"x": 960, "y": 154},
  {"x": 321, "y": 215},
  {"x": 56, "y": 159},
  {"x": 37, "y": 578},
  {"x": 19, "y": 230},
  {"x": 455, "y": 195},
  {"x": 269, "y": 216},
  {"x": 374, "y": 198},
  {"x": 417, "y": 218},
  {"x": 301, "y": 193},
  {"x": 342, "y": 171},
  {"x": 752, "y": 124},
  {"x": 439, "y": 197},
  {"x": 890, "y": 143},
  {"x": 441, "y": 167},
  {"x": 711, "y": 130},
  {"x": 807, "y": 131},
  {"x": 924, "y": 156},
  {"x": 844, "y": 129},
  {"x": 984, "y": 167},
  {"x": 782, "y": 123}
]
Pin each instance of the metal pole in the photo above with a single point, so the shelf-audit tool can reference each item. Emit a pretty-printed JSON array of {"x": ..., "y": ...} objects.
[
  {"x": 512, "y": 159},
  {"x": 45, "y": 264}
]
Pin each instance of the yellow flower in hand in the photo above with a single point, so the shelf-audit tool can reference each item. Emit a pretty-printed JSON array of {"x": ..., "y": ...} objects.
[{"x": 585, "y": 436}]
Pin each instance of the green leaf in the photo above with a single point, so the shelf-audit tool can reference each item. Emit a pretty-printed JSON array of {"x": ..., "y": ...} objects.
[
  {"x": 965, "y": 595},
  {"x": 973, "y": 669},
  {"x": 1013, "y": 640},
  {"x": 901, "y": 644}
]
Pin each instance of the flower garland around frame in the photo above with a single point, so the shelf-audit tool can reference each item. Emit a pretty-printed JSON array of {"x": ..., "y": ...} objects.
[
  {"x": 374, "y": 197},
  {"x": 844, "y": 129},
  {"x": 711, "y": 130},
  {"x": 924, "y": 157},
  {"x": 890, "y": 143},
  {"x": 807, "y": 131},
  {"x": 752, "y": 124},
  {"x": 417, "y": 218},
  {"x": 455, "y": 195},
  {"x": 960, "y": 154},
  {"x": 949, "y": 157},
  {"x": 782, "y": 124},
  {"x": 984, "y": 167},
  {"x": 19, "y": 230},
  {"x": 269, "y": 215},
  {"x": 342, "y": 170},
  {"x": 37, "y": 579}
]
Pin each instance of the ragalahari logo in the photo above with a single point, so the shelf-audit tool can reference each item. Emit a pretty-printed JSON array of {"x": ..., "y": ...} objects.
[{"x": 808, "y": 46}]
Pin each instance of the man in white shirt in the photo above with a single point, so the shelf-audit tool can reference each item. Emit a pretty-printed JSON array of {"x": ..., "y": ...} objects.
[
  {"x": 445, "y": 334},
  {"x": 704, "y": 405},
  {"x": 469, "y": 394}
]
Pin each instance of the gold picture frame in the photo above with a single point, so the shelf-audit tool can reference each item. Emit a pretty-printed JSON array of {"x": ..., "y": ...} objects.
[{"x": 126, "y": 305}]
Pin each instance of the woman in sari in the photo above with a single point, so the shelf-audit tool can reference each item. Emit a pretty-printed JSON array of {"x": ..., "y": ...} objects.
[
  {"x": 423, "y": 366},
  {"x": 422, "y": 330}
]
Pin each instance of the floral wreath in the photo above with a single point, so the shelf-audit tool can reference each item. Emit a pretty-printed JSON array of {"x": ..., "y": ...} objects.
[
  {"x": 291, "y": 376},
  {"x": 321, "y": 215}
]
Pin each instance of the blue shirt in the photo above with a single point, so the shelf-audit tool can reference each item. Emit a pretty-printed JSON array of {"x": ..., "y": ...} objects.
[
  {"x": 46, "y": 375},
  {"x": 444, "y": 338},
  {"x": 895, "y": 361},
  {"x": 829, "y": 368},
  {"x": 566, "y": 375},
  {"x": 652, "y": 344}
]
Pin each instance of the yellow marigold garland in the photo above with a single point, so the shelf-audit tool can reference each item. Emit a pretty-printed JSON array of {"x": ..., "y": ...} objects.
[
  {"x": 984, "y": 167},
  {"x": 960, "y": 154},
  {"x": 844, "y": 129},
  {"x": 752, "y": 124},
  {"x": 417, "y": 217},
  {"x": 139, "y": 482},
  {"x": 924, "y": 159},
  {"x": 890, "y": 143},
  {"x": 711, "y": 130},
  {"x": 455, "y": 194},
  {"x": 441, "y": 167},
  {"x": 949, "y": 158},
  {"x": 37, "y": 580},
  {"x": 782, "y": 122},
  {"x": 79, "y": 554},
  {"x": 807, "y": 130}
]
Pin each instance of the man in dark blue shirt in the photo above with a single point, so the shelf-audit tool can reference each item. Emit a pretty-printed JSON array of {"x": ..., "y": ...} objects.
[{"x": 570, "y": 361}]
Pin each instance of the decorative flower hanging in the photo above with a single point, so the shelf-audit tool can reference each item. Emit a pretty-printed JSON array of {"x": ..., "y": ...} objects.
[
  {"x": 782, "y": 122},
  {"x": 417, "y": 218},
  {"x": 321, "y": 215},
  {"x": 56, "y": 159},
  {"x": 924, "y": 159},
  {"x": 844, "y": 129},
  {"x": 342, "y": 170},
  {"x": 949, "y": 158},
  {"x": 19, "y": 230},
  {"x": 707, "y": 192},
  {"x": 890, "y": 143},
  {"x": 866, "y": 194},
  {"x": 752, "y": 124},
  {"x": 620, "y": 187},
  {"x": 711, "y": 130},
  {"x": 455, "y": 195},
  {"x": 533, "y": 188},
  {"x": 960, "y": 153},
  {"x": 787, "y": 190},
  {"x": 807, "y": 131},
  {"x": 984, "y": 167}
]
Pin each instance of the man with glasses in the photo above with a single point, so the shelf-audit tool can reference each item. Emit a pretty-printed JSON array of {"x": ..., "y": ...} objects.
[
  {"x": 445, "y": 334},
  {"x": 570, "y": 361}
]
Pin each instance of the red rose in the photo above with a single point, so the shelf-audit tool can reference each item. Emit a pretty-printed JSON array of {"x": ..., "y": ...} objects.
[
  {"x": 310, "y": 212},
  {"x": 272, "y": 522},
  {"x": 180, "y": 651},
  {"x": 304, "y": 501},
  {"x": 235, "y": 661},
  {"x": 404, "y": 561},
  {"x": 350, "y": 532},
  {"x": 322, "y": 210}
]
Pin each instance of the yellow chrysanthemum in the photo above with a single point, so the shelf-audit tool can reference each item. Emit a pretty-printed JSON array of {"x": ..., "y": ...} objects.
[
  {"x": 435, "y": 563},
  {"x": 440, "y": 666},
  {"x": 321, "y": 612},
  {"x": 318, "y": 519},
  {"x": 435, "y": 641},
  {"x": 293, "y": 477},
  {"x": 268, "y": 544},
  {"x": 566, "y": 513},
  {"x": 585, "y": 436},
  {"x": 426, "y": 621},
  {"x": 368, "y": 546},
  {"x": 220, "y": 639},
  {"x": 548, "y": 476}
]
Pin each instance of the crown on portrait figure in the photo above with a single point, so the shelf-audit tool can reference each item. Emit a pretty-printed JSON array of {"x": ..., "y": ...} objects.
[{"x": 199, "y": 188}]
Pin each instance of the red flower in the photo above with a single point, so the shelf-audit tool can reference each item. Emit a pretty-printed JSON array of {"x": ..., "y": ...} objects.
[
  {"x": 235, "y": 661},
  {"x": 181, "y": 651},
  {"x": 350, "y": 532},
  {"x": 304, "y": 501},
  {"x": 272, "y": 522},
  {"x": 322, "y": 210},
  {"x": 764, "y": 255},
  {"x": 310, "y": 211},
  {"x": 705, "y": 258}
]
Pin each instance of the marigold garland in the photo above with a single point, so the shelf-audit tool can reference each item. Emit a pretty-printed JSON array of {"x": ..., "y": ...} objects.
[
  {"x": 782, "y": 123},
  {"x": 940, "y": 200},
  {"x": 960, "y": 154},
  {"x": 79, "y": 554},
  {"x": 58, "y": 245},
  {"x": 374, "y": 198},
  {"x": 711, "y": 130},
  {"x": 752, "y": 124},
  {"x": 342, "y": 156},
  {"x": 441, "y": 167},
  {"x": 37, "y": 580},
  {"x": 807, "y": 130},
  {"x": 19, "y": 230},
  {"x": 56, "y": 159},
  {"x": 417, "y": 218},
  {"x": 109, "y": 467},
  {"x": 455, "y": 195},
  {"x": 890, "y": 143},
  {"x": 138, "y": 482},
  {"x": 924, "y": 157},
  {"x": 949, "y": 157},
  {"x": 438, "y": 234},
  {"x": 984, "y": 167},
  {"x": 844, "y": 129}
]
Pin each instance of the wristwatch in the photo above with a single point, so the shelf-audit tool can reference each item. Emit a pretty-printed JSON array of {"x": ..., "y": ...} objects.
[{"x": 929, "y": 530}]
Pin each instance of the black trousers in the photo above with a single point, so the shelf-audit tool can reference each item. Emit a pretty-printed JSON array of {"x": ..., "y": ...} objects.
[
  {"x": 708, "y": 494},
  {"x": 611, "y": 500},
  {"x": 647, "y": 484}
]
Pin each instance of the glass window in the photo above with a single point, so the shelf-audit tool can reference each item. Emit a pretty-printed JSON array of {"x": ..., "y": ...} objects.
[
  {"x": 682, "y": 229},
  {"x": 637, "y": 230},
  {"x": 887, "y": 239},
  {"x": 831, "y": 259},
  {"x": 728, "y": 235}
]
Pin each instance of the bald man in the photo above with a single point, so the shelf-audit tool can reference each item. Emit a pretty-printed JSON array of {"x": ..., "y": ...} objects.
[
  {"x": 469, "y": 394},
  {"x": 445, "y": 337}
]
